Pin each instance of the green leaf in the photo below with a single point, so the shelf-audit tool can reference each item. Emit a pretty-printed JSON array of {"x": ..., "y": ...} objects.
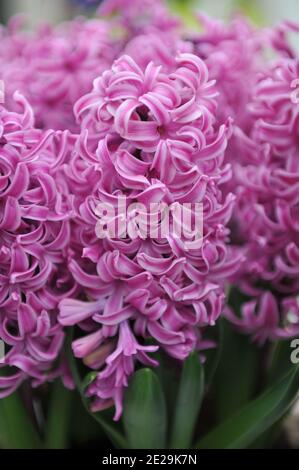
[
  {"x": 213, "y": 355},
  {"x": 280, "y": 356},
  {"x": 59, "y": 415},
  {"x": 235, "y": 379},
  {"x": 111, "y": 430},
  {"x": 145, "y": 412},
  {"x": 84, "y": 429},
  {"x": 188, "y": 403},
  {"x": 168, "y": 374},
  {"x": 17, "y": 430},
  {"x": 245, "y": 426}
]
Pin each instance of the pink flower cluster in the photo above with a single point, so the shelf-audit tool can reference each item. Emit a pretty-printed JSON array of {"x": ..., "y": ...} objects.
[
  {"x": 152, "y": 137},
  {"x": 55, "y": 66},
  {"x": 267, "y": 210},
  {"x": 34, "y": 238},
  {"x": 134, "y": 107},
  {"x": 262, "y": 99}
]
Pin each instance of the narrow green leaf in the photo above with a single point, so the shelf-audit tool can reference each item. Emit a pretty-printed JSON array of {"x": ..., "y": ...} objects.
[
  {"x": 112, "y": 432},
  {"x": 84, "y": 428},
  {"x": 245, "y": 426},
  {"x": 188, "y": 403},
  {"x": 168, "y": 374},
  {"x": 145, "y": 412},
  {"x": 213, "y": 355},
  {"x": 235, "y": 379},
  {"x": 17, "y": 430},
  {"x": 278, "y": 359},
  {"x": 58, "y": 420}
]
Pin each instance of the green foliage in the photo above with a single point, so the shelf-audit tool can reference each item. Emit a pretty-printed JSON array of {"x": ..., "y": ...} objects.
[
  {"x": 248, "y": 424},
  {"x": 188, "y": 403},
  {"x": 17, "y": 429},
  {"x": 145, "y": 412}
]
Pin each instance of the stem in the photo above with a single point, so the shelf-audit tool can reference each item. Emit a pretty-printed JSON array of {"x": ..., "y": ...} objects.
[
  {"x": 16, "y": 428},
  {"x": 58, "y": 419}
]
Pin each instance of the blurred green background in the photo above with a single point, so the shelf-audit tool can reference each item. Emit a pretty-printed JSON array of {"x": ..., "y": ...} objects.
[{"x": 261, "y": 11}]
